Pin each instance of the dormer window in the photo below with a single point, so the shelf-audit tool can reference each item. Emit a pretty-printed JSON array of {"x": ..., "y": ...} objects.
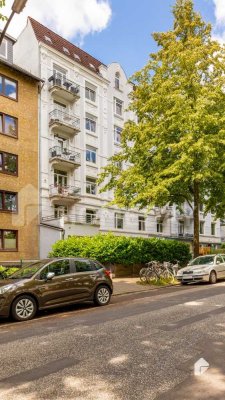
[
  {"x": 92, "y": 66},
  {"x": 77, "y": 57},
  {"x": 117, "y": 80},
  {"x": 48, "y": 39},
  {"x": 4, "y": 48},
  {"x": 66, "y": 50}
]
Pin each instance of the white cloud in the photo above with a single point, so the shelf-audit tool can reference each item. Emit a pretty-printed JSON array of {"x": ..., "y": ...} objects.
[
  {"x": 219, "y": 30},
  {"x": 69, "y": 18}
]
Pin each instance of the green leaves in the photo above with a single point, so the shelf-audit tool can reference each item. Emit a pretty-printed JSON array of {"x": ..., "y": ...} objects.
[
  {"x": 110, "y": 249},
  {"x": 2, "y": 17}
]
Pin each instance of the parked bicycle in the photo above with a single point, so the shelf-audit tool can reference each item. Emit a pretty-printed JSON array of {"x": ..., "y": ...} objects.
[{"x": 155, "y": 271}]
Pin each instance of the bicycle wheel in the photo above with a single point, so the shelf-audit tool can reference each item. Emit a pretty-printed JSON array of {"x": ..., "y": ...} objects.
[
  {"x": 142, "y": 274},
  {"x": 167, "y": 275},
  {"x": 151, "y": 276}
]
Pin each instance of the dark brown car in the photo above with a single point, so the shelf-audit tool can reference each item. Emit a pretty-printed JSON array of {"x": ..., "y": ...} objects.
[{"x": 51, "y": 283}]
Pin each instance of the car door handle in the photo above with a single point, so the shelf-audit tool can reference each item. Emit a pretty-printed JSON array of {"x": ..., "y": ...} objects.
[{"x": 69, "y": 279}]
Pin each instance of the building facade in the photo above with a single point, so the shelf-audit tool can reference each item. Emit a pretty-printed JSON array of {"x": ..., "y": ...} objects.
[
  {"x": 19, "y": 200},
  {"x": 83, "y": 107}
]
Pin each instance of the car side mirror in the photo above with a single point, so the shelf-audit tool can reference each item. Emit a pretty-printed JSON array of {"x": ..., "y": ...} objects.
[
  {"x": 50, "y": 276},
  {"x": 218, "y": 262}
]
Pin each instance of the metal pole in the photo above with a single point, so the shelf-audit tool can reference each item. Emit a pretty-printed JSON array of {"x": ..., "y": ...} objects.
[{"x": 6, "y": 27}]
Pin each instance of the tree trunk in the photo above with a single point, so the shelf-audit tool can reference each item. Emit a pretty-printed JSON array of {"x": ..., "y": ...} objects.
[{"x": 196, "y": 219}]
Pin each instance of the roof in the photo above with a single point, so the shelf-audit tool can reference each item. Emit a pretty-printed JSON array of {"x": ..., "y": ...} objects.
[
  {"x": 60, "y": 44},
  {"x": 19, "y": 69}
]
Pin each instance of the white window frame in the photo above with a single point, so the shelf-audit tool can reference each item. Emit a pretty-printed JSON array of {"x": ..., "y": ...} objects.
[
  {"x": 117, "y": 80},
  {"x": 91, "y": 150},
  {"x": 141, "y": 223},
  {"x": 119, "y": 220},
  {"x": 159, "y": 226},
  {"x": 213, "y": 229},
  {"x": 90, "y": 215},
  {"x": 118, "y": 107},
  {"x": 90, "y": 94},
  {"x": 90, "y": 124},
  {"x": 180, "y": 227},
  {"x": 202, "y": 227},
  {"x": 91, "y": 186},
  {"x": 117, "y": 134}
]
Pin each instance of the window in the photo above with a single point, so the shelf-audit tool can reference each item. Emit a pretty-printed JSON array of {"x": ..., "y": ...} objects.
[
  {"x": 141, "y": 223},
  {"x": 77, "y": 57},
  {"x": 60, "y": 211},
  {"x": 92, "y": 66},
  {"x": 91, "y": 186},
  {"x": 118, "y": 106},
  {"x": 119, "y": 219},
  {"x": 59, "y": 106},
  {"x": 90, "y": 124},
  {"x": 59, "y": 268},
  {"x": 8, "y": 87},
  {"x": 181, "y": 228},
  {"x": 59, "y": 74},
  {"x": 202, "y": 227},
  {"x": 159, "y": 226},
  {"x": 90, "y": 216},
  {"x": 8, "y": 201},
  {"x": 8, "y": 163},
  {"x": 117, "y": 134},
  {"x": 90, "y": 94},
  {"x": 48, "y": 39},
  {"x": 8, "y": 240},
  {"x": 66, "y": 50},
  {"x": 8, "y": 125},
  {"x": 213, "y": 229},
  {"x": 117, "y": 80},
  {"x": 60, "y": 178},
  {"x": 84, "y": 266},
  {"x": 91, "y": 155},
  {"x": 4, "y": 49}
]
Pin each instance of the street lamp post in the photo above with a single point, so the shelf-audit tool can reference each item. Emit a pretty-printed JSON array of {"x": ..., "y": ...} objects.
[{"x": 17, "y": 7}]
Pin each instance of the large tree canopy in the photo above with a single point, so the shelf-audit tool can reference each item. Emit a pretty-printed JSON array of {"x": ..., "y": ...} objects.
[{"x": 175, "y": 152}]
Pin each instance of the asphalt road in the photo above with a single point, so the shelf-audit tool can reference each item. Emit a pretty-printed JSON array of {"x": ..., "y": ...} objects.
[{"x": 141, "y": 346}]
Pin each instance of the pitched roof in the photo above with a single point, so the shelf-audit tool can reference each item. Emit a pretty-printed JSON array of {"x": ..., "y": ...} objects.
[{"x": 43, "y": 34}]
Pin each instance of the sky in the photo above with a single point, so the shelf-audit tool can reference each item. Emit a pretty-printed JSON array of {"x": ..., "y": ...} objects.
[{"x": 113, "y": 30}]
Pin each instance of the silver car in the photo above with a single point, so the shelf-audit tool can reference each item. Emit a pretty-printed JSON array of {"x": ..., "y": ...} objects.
[{"x": 207, "y": 268}]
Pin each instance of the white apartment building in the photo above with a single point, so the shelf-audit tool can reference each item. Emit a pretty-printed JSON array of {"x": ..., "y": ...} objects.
[{"x": 83, "y": 107}]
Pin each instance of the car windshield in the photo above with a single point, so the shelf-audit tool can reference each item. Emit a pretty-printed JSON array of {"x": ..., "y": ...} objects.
[
  {"x": 203, "y": 260},
  {"x": 28, "y": 271}
]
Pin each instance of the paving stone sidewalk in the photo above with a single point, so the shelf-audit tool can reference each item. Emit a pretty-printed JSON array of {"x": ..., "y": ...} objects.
[{"x": 129, "y": 285}]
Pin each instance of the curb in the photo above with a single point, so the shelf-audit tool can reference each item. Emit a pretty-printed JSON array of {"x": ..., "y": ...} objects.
[{"x": 146, "y": 290}]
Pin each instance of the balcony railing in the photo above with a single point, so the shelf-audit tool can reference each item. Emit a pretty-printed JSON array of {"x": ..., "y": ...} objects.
[
  {"x": 64, "y": 155},
  {"x": 62, "y": 118},
  {"x": 90, "y": 219},
  {"x": 63, "y": 86},
  {"x": 65, "y": 191}
]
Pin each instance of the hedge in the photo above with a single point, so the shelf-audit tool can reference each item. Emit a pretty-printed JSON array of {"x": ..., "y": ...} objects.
[{"x": 110, "y": 249}]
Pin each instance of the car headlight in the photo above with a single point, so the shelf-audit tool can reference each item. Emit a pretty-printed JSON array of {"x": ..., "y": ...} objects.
[
  {"x": 5, "y": 289},
  {"x": 179, "y": 273}
]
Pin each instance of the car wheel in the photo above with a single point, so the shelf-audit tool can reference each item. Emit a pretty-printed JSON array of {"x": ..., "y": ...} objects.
[
  {"x": 102, "y": 296},
  {"x": 24, "y": 308},
  {"x": 212, "y": 277}
]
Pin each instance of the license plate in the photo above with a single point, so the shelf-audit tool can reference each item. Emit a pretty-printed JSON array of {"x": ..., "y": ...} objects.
[{"x": 187, "y": 277}]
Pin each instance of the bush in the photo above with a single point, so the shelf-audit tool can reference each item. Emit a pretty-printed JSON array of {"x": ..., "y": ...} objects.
[
  {"x": 110, "y": 249},
  {"x": 5, "y": 272}
]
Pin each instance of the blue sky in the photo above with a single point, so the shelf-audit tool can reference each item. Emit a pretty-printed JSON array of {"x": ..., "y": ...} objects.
[{"x": 127, "y": 39}]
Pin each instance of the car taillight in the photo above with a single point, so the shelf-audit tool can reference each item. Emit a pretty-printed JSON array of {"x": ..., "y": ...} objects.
[{"x": 108, "y": 273}]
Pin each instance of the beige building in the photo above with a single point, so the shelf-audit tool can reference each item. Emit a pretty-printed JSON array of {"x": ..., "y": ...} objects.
[{"x": 18, "y": 159}]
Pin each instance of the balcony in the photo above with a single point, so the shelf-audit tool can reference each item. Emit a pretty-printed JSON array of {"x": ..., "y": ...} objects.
[
  {"x": 64, "y": 158},
  {"x": 64, "y": 194},
  {"x": 63, "y": 88},
  {"x": 187, "y": 213},
  {"x": 63, "y": 122},
  {"x": 89, "y": 219}
]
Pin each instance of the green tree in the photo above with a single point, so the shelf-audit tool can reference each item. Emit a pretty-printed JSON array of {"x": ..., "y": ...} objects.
[
  {"x": 175, "y": 152},
  {"x": 2, "y": 4}
]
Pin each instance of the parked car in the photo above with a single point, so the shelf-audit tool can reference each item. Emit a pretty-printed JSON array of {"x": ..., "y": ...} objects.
[
  {"x": 51, "y": 283},
  {"x": 207, "y": 268}
]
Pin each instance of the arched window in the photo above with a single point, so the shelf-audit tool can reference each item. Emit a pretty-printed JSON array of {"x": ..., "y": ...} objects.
[{"x": 117, "y": 80}]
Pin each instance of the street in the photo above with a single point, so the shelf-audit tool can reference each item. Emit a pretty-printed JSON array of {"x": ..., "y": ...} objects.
[{"x": 142, "y": 346}]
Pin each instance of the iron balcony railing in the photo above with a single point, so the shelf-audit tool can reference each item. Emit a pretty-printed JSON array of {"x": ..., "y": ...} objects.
[
  {"x": 63, "y": 82},
  {"x": 64, "y": 154},
  {"x": 87, "y": 218},
  {"x": 64, "y": 118},
  {"x": 65, "y": 191}
]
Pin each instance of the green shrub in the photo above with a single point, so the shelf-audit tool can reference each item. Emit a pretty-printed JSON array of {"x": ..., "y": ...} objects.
[{"x": 110, "y": 249}]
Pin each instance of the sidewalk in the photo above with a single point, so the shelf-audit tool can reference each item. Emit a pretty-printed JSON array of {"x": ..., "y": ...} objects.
[{"x": 129, "y": 285}]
